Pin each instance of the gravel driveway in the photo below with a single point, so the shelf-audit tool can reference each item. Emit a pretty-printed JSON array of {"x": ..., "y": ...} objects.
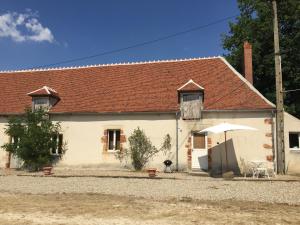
[{"x": 190, "y": 188}]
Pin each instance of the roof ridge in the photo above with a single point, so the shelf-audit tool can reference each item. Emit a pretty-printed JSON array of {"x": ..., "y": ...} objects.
[{"x": 109, "y": 64}]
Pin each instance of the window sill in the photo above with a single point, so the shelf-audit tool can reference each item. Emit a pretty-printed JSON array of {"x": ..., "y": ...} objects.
[
  {"x": 295, "y": 150},
  {"x": 112, "y": 151}
]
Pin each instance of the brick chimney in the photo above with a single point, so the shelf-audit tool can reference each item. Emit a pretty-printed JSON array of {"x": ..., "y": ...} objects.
[{"x": 248, "y": 62}]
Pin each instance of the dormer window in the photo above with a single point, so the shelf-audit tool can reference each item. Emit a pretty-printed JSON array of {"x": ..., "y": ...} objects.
[
  {"x": 40, "y": 102},
  {"x": 190, "y": 97},
  {"x": 186, "y": 97},
  {"x": 44, "y": 98}
]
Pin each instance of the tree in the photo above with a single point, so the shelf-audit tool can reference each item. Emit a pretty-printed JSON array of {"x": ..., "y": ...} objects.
[
  {"x": 33, "y": 137},
  {"x": 141, "y": 149},
  {"x": 255, "y": 24}
]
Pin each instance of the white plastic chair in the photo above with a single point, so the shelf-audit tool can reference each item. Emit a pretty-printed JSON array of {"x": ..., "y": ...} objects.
[{"x": 260, "y": 168}]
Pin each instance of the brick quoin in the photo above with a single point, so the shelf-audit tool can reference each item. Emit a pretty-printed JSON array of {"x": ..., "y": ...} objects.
[
  {"x": 270, "y": 158},
  {"x": 189, "y": 153},
  {"x": 268, "y": 121},
  {"x": 104, "y": 140},
  {"x": 209, "y": 141},
  {"x": 267, "y": 146},
  {"x": 269, "y": 135}
]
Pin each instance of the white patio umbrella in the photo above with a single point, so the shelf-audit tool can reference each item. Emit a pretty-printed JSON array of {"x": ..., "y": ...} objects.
[{"x": 225, "y": 127}]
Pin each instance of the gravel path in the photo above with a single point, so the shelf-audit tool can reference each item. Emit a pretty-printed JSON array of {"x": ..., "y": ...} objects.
[{"x": 193, "y": 187}]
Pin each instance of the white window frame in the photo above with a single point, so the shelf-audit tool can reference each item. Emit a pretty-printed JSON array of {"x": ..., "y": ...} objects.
[
  {"x": 295, "y": 149},
  {"x": 57, "y": 146},
  {"x": 36, "y": 105},
  {"x": 15, "y": 139},
  {"x": 114, "y": 139}
]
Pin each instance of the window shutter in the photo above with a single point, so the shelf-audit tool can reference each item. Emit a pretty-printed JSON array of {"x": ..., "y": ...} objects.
[
  {"x": 191, "y": 105},
  {"x": 104, "y": 140}
]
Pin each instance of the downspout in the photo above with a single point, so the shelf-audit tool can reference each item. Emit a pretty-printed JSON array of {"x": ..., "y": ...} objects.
[
  {"x": 177, "y": 146},
  {"x": 273, "y": 141}
]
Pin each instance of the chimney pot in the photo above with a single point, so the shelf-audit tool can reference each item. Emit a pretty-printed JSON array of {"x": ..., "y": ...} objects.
[{"x": 248, "y": 70}]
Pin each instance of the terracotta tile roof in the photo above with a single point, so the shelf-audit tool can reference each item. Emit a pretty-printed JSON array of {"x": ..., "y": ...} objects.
[{"x": 137, "y": 87}]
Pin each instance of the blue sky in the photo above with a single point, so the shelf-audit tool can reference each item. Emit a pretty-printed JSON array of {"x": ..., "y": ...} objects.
[{"x": 35, "y": 33}]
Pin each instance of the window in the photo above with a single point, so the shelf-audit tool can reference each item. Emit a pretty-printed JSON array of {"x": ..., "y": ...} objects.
[
  {"x": 294, "y": 140},
  {"x": 15, "y": 141},
  {"x": 59, "y": 144},
  {"x": 199, "y": 141},
  {"x": 113, "y": 140},
  {"x": 190, "y": 97},
  {"x": 40, "y": 102}
]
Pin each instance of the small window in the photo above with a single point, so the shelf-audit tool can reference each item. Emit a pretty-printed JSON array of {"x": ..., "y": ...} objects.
[
  {"x": 59, "y": 144},
  {"x": 40, "y": 102},
  {"x": 113, "y": 140},
  {"x": 199, "y": 141},
  {"x": 15, "y": 141},
  {"x": 294, "y": 140},
  {"x": 190, "y": 97}
]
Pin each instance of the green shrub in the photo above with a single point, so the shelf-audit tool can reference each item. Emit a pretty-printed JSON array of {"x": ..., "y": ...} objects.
[
  {"x": 33, "y": 136},
  {"x": 141, "y": 150}
]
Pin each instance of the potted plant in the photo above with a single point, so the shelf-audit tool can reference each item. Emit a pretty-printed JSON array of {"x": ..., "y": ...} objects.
[
  {"x": 47, "y": 170},
  {"x": 152, "y": 172}
]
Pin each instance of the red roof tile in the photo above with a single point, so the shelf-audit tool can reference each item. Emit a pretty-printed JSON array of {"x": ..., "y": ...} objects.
[{"x": 139, "y": 87}]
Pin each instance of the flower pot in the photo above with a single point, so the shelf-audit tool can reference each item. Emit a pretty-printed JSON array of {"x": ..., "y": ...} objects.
[
  {"x": 47, "y": 170},
  {"x": 7, "y": 165},
  {"x": 152, "y": 172}
]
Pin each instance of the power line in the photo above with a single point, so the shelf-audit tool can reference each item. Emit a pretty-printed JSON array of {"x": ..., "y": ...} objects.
[
  {"x": 225, "y": 95},
  {"x": 139, "y": 44},
  {"x": 293, "y": 90}
]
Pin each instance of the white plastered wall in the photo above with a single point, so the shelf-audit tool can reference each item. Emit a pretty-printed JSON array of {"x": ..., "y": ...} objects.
[
  {"x": 246, "y": 145},
  {"x": 292, "y": 157},
  {"x": 3, "y": 139},
  {"x": 83, "y": 134}
]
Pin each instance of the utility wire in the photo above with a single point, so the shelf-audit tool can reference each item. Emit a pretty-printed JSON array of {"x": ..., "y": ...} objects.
[
  {"x": 285, "y": 91},
  {"x": 139, "y": 44}
]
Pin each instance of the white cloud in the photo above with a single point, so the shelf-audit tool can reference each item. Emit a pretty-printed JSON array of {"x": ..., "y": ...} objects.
[
  {"x": 22, "y": 27},
  {"x": 40, "y": 33}
]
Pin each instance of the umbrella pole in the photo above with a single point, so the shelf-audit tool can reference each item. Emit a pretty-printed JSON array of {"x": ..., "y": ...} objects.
[{"x": 226, "y": 152}]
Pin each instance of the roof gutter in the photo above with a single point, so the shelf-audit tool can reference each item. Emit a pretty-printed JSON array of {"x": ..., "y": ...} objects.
[
  {"x": 239, "y": 110},
  {"x": 111, "y": 113},
  {"x": 141, "y": 112}
]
